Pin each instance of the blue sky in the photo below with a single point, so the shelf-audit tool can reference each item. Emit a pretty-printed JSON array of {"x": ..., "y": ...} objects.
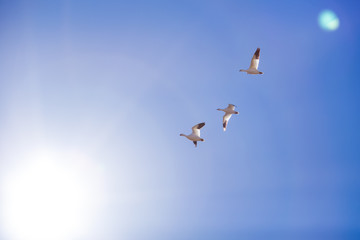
[{"x": 118, "y": 81}]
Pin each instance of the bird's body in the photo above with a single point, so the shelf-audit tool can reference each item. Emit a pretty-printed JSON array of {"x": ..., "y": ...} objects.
[
  {"x": 192, "y": 137},
  {"x": 229, "y": 111},
  {"x": 195, "y": 135},
  {"x": 254, "y": 64},
  {"x": 251, "y": 71}
]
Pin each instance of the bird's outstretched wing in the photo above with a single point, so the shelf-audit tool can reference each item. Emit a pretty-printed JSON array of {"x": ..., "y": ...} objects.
[
  {"x": 226, "y": 118},
  {"x": 255, "y": 59},
  {"x": 196, "y": 128},
  {"x": 231, "y": 107}
]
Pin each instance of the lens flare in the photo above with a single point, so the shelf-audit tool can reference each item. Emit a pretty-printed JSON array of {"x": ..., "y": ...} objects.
[{"x": 328, "y": 20}]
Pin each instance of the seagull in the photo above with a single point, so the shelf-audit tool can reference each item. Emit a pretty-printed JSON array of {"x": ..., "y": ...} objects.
[
  {"x": 230, "y": 110},
  {"x": 253, "y": 69},
  {"x": 195, "y": 135}
]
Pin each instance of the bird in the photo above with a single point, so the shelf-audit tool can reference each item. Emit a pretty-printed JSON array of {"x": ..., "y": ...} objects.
[
  {"x": 195, "y": 135},
  {"x": 230, "y": 110},
  {"x": 253, "y": 69}
]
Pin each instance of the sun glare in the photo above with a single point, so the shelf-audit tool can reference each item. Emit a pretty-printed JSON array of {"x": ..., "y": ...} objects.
[{"x": 50, "y": 196}]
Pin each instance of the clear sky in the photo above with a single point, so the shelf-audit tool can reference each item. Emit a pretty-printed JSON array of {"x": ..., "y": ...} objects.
[{"x": 94, "y": 95}]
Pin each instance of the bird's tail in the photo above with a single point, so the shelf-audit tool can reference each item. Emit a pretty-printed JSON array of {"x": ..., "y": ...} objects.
[{"x": 242, "y": 70}]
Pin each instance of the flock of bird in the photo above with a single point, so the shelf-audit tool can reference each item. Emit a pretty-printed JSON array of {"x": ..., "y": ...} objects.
[{"x": 230, "y": 110}]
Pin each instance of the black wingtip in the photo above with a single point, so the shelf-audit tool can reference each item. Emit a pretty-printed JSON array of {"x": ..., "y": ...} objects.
[
  {"x": 257, "y": 53},
  {"x": 200, "y": 125}
]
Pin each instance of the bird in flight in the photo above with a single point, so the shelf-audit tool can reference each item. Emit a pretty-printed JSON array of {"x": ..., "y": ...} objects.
[
  {"x": 253, "y": 69},
  {"x": 230, "y": 110},
  {"x": 195, "y": 135}
]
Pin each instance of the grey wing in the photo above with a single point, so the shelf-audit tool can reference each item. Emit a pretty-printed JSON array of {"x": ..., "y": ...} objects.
[{"x": 255, "y": 59}]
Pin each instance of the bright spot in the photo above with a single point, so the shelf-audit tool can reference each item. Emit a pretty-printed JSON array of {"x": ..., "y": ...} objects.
[
  {"x": 50, "y": 196},
  {"x": 328, "y": 20}
]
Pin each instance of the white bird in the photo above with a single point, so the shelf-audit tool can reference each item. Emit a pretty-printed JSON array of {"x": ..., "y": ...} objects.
[
  {"x": 195, "y": 135},
  {"x": 253, "y": 69},
  {"x": 230, "y": 110}
]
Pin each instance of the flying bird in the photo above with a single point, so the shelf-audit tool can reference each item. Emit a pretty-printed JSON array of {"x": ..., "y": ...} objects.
[
  {"x": 253, "y": 69},
  {"x": 195, "y": 135},
  {"x": 230, "y": 110}
]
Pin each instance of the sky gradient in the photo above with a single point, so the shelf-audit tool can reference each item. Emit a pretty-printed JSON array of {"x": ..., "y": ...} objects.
[{"x": 116, "y": 82}]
